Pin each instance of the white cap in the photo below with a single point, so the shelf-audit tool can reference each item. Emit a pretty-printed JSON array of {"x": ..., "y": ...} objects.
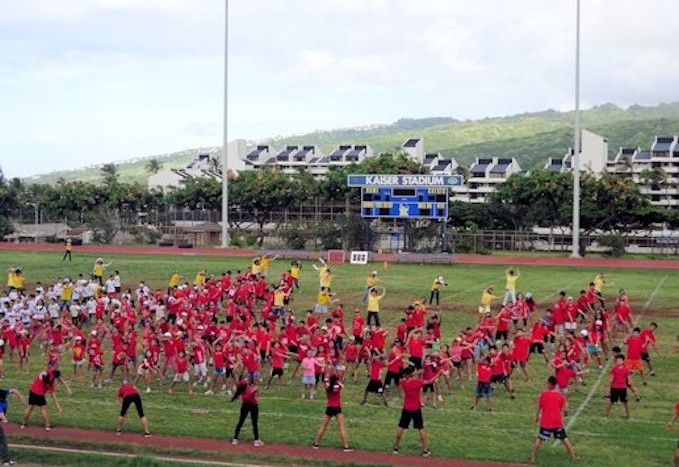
[
  {"x": 599, "y": 322},
  {"x": 584, "y": 333},
  {"x": 167, "y": 334},
  {"x": 374, "y": 273},
  {"x": 440, "y": 278}
]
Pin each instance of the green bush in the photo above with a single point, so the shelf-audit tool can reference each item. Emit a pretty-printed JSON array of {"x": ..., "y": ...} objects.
[
  {"x": 294, "y": 236},
  {"x": 614, "y": 244}
]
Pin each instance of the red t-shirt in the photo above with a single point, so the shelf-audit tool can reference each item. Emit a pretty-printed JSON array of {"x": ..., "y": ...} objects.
[
  {"x": 182, "y": 365},
  {"x": 411, "y": 393},
  {"x": 483, "y": 372},
  {"x": 619, "y": 374},
  {"x": 334, "y": 397},
  {"x": 278, "y": 358},
  {"x": 634, "y": 347},
  {"x": 416, "y": 347},
  {"x": 39, "y": 387},
  {"x": 551, "y": 403},
  {"x": 127, "y": 390},
  {"x": 375, "y": 370}
]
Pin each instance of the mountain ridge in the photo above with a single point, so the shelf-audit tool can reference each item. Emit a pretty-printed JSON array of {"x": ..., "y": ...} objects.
[{"x": 531, "y": 137}]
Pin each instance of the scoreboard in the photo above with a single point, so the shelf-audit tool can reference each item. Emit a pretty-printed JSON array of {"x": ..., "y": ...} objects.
[
  {"x": 404, "y": 196},
  {"x": 404, "y": 202}
]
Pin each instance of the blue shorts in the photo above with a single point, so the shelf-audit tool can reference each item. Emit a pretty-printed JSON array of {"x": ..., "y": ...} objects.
[
  {"x": 309, "y": 379},
  {"x": 483, "y": 390},
  {"x": 219, "y": 371},
  {"x": 3, "y": 406}
]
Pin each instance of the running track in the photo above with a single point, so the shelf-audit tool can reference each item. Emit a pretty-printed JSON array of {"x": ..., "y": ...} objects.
[
  {"x": 459, "y": 259},
  {"x": 205, "y": 444}
]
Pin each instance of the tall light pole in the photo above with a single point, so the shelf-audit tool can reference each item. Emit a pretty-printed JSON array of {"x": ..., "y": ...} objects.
[
  {"x": 575, "y": 163},
  {"x": 225, "y": 148}
]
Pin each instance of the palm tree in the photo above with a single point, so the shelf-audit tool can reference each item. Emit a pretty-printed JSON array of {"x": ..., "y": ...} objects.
[{"x": 153, "y": 166}]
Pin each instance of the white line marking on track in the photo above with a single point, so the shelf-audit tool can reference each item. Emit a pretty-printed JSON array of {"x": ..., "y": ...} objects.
[{"x": 604, "y": 372}]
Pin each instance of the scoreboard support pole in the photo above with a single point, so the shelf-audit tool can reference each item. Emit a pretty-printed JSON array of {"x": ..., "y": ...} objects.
[
  {"x": 444, "y": 247},
  {"x": 366, "y": 234}
]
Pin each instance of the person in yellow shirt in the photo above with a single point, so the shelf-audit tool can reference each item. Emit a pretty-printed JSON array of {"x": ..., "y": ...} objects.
[
  {"x": 175, "y": 280},
  {"x": 371, "y": 281},
  {"x": 15, "y": 278},
  {"x": 279, "y": 301},
  {"x": 374, "y": 306},
  {"x": 326, "y": 279},
  {"x": 200, "y": 277},
  {"x": 99, "y": 270},
  {"x": 68, "y": 246},
  {"x": 295, "y": 269},
  {"x": 599, "y": 282},
  {"x": 256, "y": 267},
  {"x": 265, "y": 262},
  {"x": 511, "y": 275},
  {"x": 67, "y": 293},
  {"x": 486, "y": 301},
  {"x": 324, "y": 300},
  {"x": 436, "y": 285},
  {"x": 321, "y": 270}
]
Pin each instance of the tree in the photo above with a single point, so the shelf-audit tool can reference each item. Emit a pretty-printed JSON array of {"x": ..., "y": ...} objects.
[
  {"x": 153, "y": 166},
  {"x": 110, "y": 173},
  {"x": 8, "y": 203}
]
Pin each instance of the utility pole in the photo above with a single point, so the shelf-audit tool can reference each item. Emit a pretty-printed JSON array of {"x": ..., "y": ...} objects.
[
  {"x": 225, "y": 148},
  {"x": 575, "y": 162}
]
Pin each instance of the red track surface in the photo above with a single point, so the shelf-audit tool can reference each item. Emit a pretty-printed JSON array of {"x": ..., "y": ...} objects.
[
  {"x": 204, "y": 444},
  {"x": 460, "y": 259}
]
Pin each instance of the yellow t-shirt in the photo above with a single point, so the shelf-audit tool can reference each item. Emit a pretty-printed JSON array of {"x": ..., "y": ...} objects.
[
  {"x": 371, "y": 281},
  {"x": 67, "y": 292},
  {"x": 322, "y": 270},
  {"x": 511, "y": 281},
  {"x": 264, "y": 262},
  {"x": 174, "y": 280},
  {"x": 598, "y": 282},
  {"x": 326, "y": 279},
  {"x": 69, "y": 246},
  {"x": 323, "y": 298},
  {"x": 200, "y": 278},
  {"x": 374, "y": 302},
  {"x": 487, "y": 298},
  {"x": 278, "y": 297},
  {"x": 98, "y": 270},
  {"x": 294, "y": 271},
  {"x": 436, "y": 285},
  {"x": 19, "y": 281},
  {"x": 256, "y": 268},
  {"x": 11, "y": 279}
]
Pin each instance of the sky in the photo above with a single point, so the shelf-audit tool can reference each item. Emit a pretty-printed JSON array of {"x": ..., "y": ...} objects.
[{"x": 84, "y": 82}]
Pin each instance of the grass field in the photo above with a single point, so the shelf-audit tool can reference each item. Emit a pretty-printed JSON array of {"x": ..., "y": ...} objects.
[{"x": 454, "y": 430}]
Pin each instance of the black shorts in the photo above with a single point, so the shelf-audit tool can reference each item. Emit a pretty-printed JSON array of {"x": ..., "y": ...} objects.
[
  {"x": 358, "y": 339},
  {"x": 277, "y": 372},
  {"x": 546, "y": 433},
  {"x": 292, "y": 348},
  {"x": 417, "y": 361},
  {"x": 619, "y": 395},
  {"x": 375, "y": 385},
  {"x": 645, "y": 357},
  {"x": 537, "y": 347},
  {"x": 498, "y": 378},
  {"x": 391, "y": 376},
  {"x": 333, "y": 411},
  {"x": 36, "y": 399},
  {"x": 428, "y": 387},
  {"x": 457, "y": 364},
  {"x": 129, "y": 400},
  {"x": 228, "y": 372},
  {"x": 411, "y": 415},
  {"x": 501, "y": 335}
]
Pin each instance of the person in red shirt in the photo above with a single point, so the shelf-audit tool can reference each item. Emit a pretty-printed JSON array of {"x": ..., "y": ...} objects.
[
  {"x": 248, "y": 392},
  {"x": 415, "y": 345},
  {"x": 411, "y": 387},
  {"x": 44, "y": 383},
  {"x": 633, "y": 360},
  {"x": 128, "y": 395},
  {"x": 539, "y": 335},
  {"x": 182, "y": 373},
  {"x": 520, "y": 353},
  {"x": 484, "y": 372},
  {"x": 394, "y": 365},
  {"x": 333, "y": 394},
  {"x": 376, "y": 364},
  {"x": 619, "y": 382},
  {"x": 551, "y": 407},
  {"x": 669, "y": 426},
  {"x": 78, "y": 349},
  {"x": 278, "y": 356},
  {"x": 647, "y": 336}
]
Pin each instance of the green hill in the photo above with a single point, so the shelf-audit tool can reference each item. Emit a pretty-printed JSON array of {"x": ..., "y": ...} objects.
[{"x": 530, "y": 137}]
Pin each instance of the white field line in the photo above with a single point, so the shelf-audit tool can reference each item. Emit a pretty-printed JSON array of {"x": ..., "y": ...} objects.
[
  {"x": 604, "y": 372},
  {"x": 177, "y": 460}
]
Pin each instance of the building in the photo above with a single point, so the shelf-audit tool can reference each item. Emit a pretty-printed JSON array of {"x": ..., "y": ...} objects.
[
  {"x": 656, "y": 171},
  {"x": 593, "y": 155},
  {"x": 484, "y": 177}
]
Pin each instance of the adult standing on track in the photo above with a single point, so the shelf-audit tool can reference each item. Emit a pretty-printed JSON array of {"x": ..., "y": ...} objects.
[
  {"x": 333, "y": 393},
  {"x": 45, "y": 382},
  {"x": 551, "y": 407},
  {"x": 248, "y": 393},
  {"x": 128, "y": 395}
]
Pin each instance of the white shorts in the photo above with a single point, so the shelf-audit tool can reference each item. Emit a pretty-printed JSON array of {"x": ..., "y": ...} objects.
[
  {"x": 321, "y": 308},
  {"x": 181, "y": 377},
  {"x": 200, "y": 369},
  {"x": 571, "y": 326},
  {"x": 141, "y": 371}
]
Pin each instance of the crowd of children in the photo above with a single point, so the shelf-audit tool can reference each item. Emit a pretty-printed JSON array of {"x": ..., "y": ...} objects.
[{"x": 231, "y": 331}]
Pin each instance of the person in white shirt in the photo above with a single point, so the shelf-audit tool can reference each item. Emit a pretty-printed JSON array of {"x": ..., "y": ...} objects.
[{"x": 110, "y": 287}]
